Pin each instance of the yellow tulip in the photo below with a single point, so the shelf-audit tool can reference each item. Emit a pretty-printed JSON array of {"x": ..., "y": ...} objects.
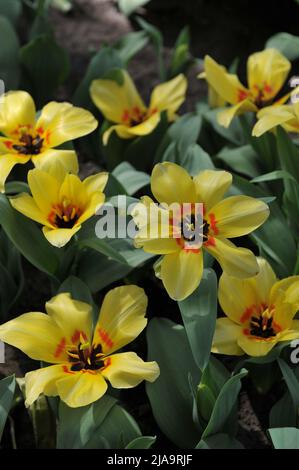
[
  {"x": 214, "y": 99},
  {"x": 82, "y": 359},
  {"x": 270, "y": 117},
  {"x": 266, "y": 74},
  {"x": 259, "y": 312},
  {"x": 182, "y": 264},
  {"x": 122, "y": 105},
  {"x": 60, "y": 201},
  {"x": 28, "y": 137}
]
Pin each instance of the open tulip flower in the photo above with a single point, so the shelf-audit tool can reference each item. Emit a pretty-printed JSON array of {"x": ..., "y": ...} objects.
[
  {"x": 28, "y": 137},
  {"x": 270, "y": 117},
  {"x": 259, "y": 312},
  {"x": 266, "y": 74},
  {"x": 123, "y": 106},
  {"x": 83, "y": 360},
  {"x": 214, "y": 99},
  {"x": 60, "y": 201},
  {"x": 182, "y": 264}
]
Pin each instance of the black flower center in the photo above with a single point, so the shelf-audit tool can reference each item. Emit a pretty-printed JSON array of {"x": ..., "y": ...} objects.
[
  {"x": 64, "y": 215},
  {"x": 193, "y": 228},
  {"x": 85, "y": 358},
  {"x": 30, "y": 145},
  {"x": 262, "y": 327}
]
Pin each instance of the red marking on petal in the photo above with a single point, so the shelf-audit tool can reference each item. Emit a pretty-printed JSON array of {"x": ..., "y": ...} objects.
[
  {"x": 246, "y": 331},
  {"x": 8, "y": 144},
  {"x": 276, "y": 326},
  {"x": 47, "y": 137},
  {"x": 247, "y": 314},
  {"x": 213, "y": 224},
  {"x": 189, "y": 249},
  {"x": 107, "y": 363},
  {"x": 60, "y": 348},
  {"x": 76, "y": 336},
  {"x": 40, "y": 130},
  {"x": 105, "y": 338},
  {"x": 268, "y": 88},
  {"x": 153, "y": 111},
  {"x": 242, "y": 95},
  {"x": 126, "y": 116},
  {"x": 66, "y": 370},
  {"x": 211, "y": 242}
]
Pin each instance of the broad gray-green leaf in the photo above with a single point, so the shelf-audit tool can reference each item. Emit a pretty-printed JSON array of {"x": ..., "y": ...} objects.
[
  {"x": 285, "y": 438},
  {"x": 286, "y": 43},
  {"x": 143, "y": 442},
  {"x": 46, "y": 71},
  {"x": 9, "y": 55},
  {"x": 11, "y": 10},
  {"x": 199, "y": 312},
  {"x": 131, "y": 179},
  {"x": 7, "y": 391},
  {"x": 130, "y": 44},
  {"x": 219, "y": 441},
  {"x": 28, "y": 238},
  {"x": 129, "y": 6},
  {"x": 170, "y": 395},
  {"x": 224, "y": 404}
]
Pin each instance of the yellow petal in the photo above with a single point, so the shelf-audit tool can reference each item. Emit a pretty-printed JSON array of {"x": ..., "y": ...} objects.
[
  {"x": 7, "y": 162},
  {"x": 211, "y": 186},
  {"x": 225, "y": 84},
  {"x": 144, "y": 128},
  {"x": 272, "y": 117},
  {"x": 171, "y": 183},
  {"x": 236, "y": 262},
  {"x": 36, "y": 335},
  {"x": 27, "y": 206},
  {"x": 42, "y": 381},
  {"x": 225, "y": 339},
  {"x": 59, "y": 237},
  {"x": 181, "y": 273},
  {"x": 71, "y": 316},
  {"x": 256, "y": 347},
  {"x": 283, "y": 292},
  {"x": 113, "y": 99},
  {"x": 92, "y": 207},
  {"x": 126, "y": 370},
  {"x": 238, "y": 297},
  {"x": 155, "y": 233},
  {"x": 6, "y": 145},
  {"x": 159, "y": 246},
  {"x": 81, "y": 388},
  {"x": 239, "y": 215},
  {"x": 226, "y": 116},
  {"x": 62, "y": 122},
  {"x": 96, "y": 183},
  {"x": 169, "y": 96},
  {"x": 122, "y": 131},
  {"x": 57, "y": 162},
  {"x": 214, "y": 99},
  {"x": 73, "y": 190},
  {"x": 144, "y": 209},
  {"x": 292, "y": 333},
  {"x": 283, "y": 313},
  {"x": 269, "y": 68},
  {"x": 17, "y": 110},
  {"x": 38, "y": 180},
  {"x": 121, "y": 319}
]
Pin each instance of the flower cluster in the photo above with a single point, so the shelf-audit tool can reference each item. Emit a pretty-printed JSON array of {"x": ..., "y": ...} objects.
[{"x": 259, "y": 310}]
